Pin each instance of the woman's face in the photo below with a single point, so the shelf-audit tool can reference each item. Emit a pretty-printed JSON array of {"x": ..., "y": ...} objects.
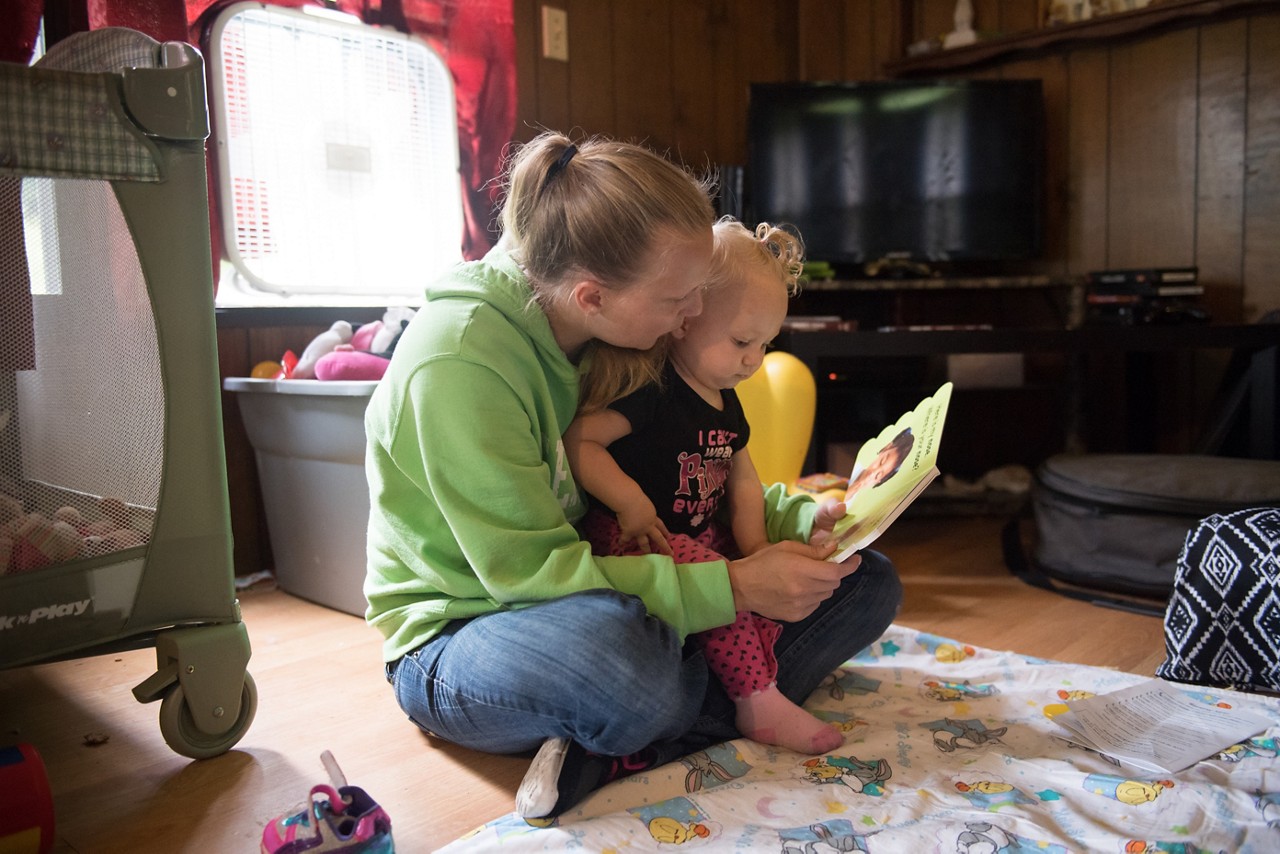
[{"x": 668, "y": 291}]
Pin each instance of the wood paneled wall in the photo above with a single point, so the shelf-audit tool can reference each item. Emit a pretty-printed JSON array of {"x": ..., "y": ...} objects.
[{"x": 1163, "y": 148}]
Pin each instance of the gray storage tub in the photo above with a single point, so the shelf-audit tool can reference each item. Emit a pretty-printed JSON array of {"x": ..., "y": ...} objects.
[{"x": 308, "y": 439}]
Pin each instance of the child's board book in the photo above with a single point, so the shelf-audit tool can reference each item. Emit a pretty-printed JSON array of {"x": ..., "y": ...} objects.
[{"x": 889, "y": 471}]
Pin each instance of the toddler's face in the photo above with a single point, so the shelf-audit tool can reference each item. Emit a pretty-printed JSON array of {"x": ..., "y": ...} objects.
[{"x": 726, "y": 343}]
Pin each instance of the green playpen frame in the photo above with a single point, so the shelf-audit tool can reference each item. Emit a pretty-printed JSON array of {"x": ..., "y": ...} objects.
[{"x": 114, "y": 523}]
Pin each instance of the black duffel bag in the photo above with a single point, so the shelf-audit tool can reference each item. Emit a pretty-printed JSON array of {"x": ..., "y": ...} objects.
[{"x": 1117, "y": 522}]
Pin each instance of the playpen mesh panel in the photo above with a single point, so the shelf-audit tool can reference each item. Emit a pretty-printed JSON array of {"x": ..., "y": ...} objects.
[{"x": 81, "y": 393}]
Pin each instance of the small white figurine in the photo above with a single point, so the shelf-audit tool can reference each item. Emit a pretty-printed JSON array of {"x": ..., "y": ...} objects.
[{"x": 963, "y": 34}]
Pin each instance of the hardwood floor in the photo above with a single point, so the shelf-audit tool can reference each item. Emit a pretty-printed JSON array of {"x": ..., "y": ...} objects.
[{"x": 320, "y": 687}]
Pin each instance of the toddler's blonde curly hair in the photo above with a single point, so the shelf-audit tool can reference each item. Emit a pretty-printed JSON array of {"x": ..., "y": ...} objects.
[{"x": 737, "y": 249}]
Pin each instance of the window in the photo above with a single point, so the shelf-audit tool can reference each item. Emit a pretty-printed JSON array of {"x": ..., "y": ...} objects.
[
  {"x": 337, "y": 159},
  {"x": 40, "y": 233},
  {"x": 40, "y": 219}
]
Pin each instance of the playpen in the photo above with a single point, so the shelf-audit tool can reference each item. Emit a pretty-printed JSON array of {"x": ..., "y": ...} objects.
[{"x": 114, "y": 521}]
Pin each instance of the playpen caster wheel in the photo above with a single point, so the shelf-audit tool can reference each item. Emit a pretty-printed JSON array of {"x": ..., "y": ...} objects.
[{"x": 185, "y": 738}]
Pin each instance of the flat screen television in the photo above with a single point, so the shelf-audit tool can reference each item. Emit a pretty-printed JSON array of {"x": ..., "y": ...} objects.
[{"x": 937, "y": 172}]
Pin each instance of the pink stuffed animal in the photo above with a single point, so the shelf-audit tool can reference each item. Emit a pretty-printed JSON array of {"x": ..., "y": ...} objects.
[
  {"x": 369, "y": 352},
  {"x": 33, "y": 541}
]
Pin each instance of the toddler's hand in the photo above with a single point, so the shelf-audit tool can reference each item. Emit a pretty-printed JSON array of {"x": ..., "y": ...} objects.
[
  {"x": 829, "y": 513},
  {"x": 642, "y": 526}
]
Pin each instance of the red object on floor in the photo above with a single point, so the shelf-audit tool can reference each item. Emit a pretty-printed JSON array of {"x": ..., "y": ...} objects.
[{"x": 26, "y": 822}]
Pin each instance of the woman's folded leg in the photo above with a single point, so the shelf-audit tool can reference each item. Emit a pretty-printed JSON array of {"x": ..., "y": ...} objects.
[{"x": 593, "y": 667}]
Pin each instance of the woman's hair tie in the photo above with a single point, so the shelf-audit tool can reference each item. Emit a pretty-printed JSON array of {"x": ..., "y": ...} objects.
[{"x": 561, "y": 162}]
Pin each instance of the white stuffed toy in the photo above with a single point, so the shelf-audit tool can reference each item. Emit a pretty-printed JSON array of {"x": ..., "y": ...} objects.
[{"x": 323, "y": 344}]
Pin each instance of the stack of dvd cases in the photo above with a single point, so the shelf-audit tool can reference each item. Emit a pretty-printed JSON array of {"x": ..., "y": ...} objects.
[{"x": 1142, "y": 296}]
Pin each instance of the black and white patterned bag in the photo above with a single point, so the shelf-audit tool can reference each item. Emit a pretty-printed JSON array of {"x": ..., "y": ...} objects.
[{"x": 1222, "y": 625}]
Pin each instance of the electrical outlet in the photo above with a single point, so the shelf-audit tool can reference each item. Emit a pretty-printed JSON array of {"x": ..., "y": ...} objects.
[{"x": 555, "y": 33}]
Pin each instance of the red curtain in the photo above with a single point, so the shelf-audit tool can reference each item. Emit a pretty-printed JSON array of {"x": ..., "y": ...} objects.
[
  {"x": 18, "y": 27},
  {"x": 475, "y": 37}
]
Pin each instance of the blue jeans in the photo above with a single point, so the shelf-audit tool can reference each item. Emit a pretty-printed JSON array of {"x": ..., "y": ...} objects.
[{"x": 596, "y": 668}]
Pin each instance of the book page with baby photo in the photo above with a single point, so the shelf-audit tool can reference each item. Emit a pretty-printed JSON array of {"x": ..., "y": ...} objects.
[{"x": 889, "y": 472}]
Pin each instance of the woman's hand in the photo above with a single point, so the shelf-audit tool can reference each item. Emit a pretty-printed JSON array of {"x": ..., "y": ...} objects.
[
  {"x": 788, "y": 580},
  {"x": 829, "y": 513},
  {"x": 640, "y": 524}
]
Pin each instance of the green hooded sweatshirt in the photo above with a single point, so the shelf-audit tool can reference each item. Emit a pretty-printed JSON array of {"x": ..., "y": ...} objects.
[{"x": 473, "y": 503}]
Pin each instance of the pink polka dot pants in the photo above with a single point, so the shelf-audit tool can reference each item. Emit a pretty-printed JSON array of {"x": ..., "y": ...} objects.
[{"x": 740, "y": 654}]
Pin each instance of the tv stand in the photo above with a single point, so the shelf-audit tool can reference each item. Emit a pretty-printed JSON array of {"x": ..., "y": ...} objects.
[
  {"x": 1258, "y": 344},
  {"x": 941, "y": 299}
]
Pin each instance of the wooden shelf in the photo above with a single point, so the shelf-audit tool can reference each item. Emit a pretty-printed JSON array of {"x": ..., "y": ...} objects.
[
  {"x": 938, "y": 283},
  {"x": 815, "y": 346},
  {"x": 968, "y": 301},
  {"x": 1175, "y": 13}
]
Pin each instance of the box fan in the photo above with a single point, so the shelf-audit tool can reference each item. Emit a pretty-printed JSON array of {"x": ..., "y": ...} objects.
[{"x": 337, "y": 158}]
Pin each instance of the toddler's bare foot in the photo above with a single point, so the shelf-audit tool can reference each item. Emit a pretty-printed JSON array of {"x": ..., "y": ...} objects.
[{"x": 770, "y": 718}]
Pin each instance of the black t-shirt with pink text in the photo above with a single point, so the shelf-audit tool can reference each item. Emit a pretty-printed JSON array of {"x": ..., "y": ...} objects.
[{"x": 680, "y": 449}]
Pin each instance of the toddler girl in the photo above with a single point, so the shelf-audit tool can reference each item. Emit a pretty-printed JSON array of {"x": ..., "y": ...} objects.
[{"x": 660, "y": 443}]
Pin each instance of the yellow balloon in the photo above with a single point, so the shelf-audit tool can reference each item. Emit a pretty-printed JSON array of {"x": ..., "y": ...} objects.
[{"x": 780, "y": 401}]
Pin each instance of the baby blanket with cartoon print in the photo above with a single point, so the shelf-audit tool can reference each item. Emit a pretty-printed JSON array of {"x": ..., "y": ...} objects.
[{"x": 948, "y": 747}]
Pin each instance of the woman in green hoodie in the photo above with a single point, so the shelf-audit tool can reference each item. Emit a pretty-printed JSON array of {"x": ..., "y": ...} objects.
[{"x": 502, "y": 631}]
